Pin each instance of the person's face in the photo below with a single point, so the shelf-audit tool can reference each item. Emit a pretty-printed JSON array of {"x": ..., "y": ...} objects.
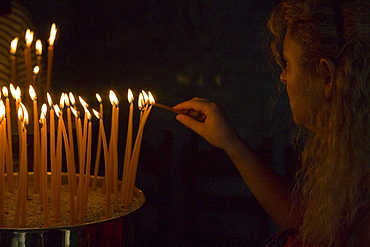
[{"x": 304, "y": 93}]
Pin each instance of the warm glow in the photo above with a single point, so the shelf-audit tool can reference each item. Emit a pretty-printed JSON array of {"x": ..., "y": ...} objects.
[
  {"x": 97, "y": 114},
  {"x": 32, "y": 93},
  {"x": 57, "y": 110},
  {"x": 23, "y": 114},
  {"x": 113, "y": 98},
  {"x": 2, "y": 110},
  {"x": 44, "y": 109},
  {"x": 36, "y": 70},
  {"x": 130, "y": 96},
  {"x": 72, "y": 99},
  {"x": 151, "y": 98},
  {"x": 29, "y": 37},
  {"x": 66, "y": 100},
  {"x": 17, "y": 93},
  {"x": 141, "y": 101},
  {"x": 50, "y": 101},
  {"x": 98, "y": 98},
  {"x": 75, "y": 112},
  {"x": 38, "y": 47},
  {"x": 145, "y": 97},
  {"x": 12, "y": 90},
  {"x": 5, "y": 91},
  {"x": 62, "y": 100},
  {"x": 13, "y": 46},
  {"x": 53, "y": 32},
  {"x": 88, "y": 114},
  {"x": 83, "y": 102}
]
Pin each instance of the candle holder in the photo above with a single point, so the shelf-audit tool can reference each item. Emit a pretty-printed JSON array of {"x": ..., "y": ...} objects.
[{"x": 115, "y": 231}]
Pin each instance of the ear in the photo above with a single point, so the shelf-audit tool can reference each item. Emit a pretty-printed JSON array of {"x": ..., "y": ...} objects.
[{"x": 329, "y": 74}]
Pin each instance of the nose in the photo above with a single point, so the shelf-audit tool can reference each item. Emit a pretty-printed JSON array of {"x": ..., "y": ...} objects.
[{"x": 283, "y": 76}]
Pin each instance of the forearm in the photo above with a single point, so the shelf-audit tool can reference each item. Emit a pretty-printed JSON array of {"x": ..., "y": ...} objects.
[{"x": 269, "y": 188}]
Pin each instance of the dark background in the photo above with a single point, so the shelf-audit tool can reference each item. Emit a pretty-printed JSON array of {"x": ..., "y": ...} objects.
[{"x": 178, "y": 50}]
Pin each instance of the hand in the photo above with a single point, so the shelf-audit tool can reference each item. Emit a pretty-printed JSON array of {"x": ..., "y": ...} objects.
[{"x": 209, "y": 121}]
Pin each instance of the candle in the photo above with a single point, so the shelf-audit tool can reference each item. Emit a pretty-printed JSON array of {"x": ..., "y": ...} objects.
[
  {"x": 13, "y": 67},
  {"x": 9, "y": 156},
  {"x": 21, "y": 207},
  {"x": 135, "y": 154},
  {"x": 71, "y": 142},
  {"x": 128, "y": 149},
  {"x": 106, "y": 163},
  {"x": 2, "y": 158},
  {"x": 98, "y": 149},
  {"x": 38, "y": 46},
  {"x": 52, "y": 134},
  {"x": 113, "y": 146},
  {"x": 53, "y": 32},
  {"x": 27, "y": 55},
  {"x": 88, "y": 166},
  {"x": 43, "y": 164},
  {"x": 36, "y": 140}
]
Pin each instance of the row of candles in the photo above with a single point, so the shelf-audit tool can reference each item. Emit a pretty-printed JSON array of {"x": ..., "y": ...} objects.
[
  {"x": 49, "y": 135},
  {"x": 49, "y": 143}
]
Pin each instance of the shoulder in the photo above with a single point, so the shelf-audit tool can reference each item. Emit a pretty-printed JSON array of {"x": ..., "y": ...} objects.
[{"x": 360, "y": 235}]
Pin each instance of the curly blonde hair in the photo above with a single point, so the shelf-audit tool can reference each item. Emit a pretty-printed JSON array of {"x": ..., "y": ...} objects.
[{"x": 333, "y": 185}]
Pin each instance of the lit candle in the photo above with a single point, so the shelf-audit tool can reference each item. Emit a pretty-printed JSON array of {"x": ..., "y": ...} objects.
[
  {"x": 98, "y": 149},
  {"x": 9, "y": 156},
  {"x": 27, "y": 54},
  {"x": 130, "y": 98},
  {"x": 36, "y": 140},
  {"x": 52, "y": 132},
  {"x": 113, "y": 146},
  {"x": 43, "y": 164},
  {"x": 135, "y": 154},
  {"x": 71, "y": 142},
  {"x": 38, "y": 46},
  {"x": 88, "y": 165},
  {"x": 13, "y": 68},
  {"x": 106, "y": 163},
  {"x": 21, "y": 207},
  {"x": 2, "y": 158},
  {"x": 53, "y": 32}
]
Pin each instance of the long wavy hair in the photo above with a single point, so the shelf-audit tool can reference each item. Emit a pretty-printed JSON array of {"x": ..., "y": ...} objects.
[{"x": 333, "y": 185}]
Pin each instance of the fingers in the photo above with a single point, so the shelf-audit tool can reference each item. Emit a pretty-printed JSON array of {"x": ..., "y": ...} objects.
[{"x": 190, "y": 122}]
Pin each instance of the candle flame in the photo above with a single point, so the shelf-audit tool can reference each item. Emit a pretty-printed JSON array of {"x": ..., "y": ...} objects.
[
  {"x": 74, "y": 111},
  {"x": 23, "y": 114},
  {"x": 145, "y": 96},
  {"x": 13, "y": 46},
  {"x": 2, "y": 110},
  {"x": 97, "y": 114},
  {"x": 66, "y": 100},
  {"x": 5, "y": 91},
  {"x": 62, "y": 100},
  {"x": 36, "y": 70},
  {"x": 38, "y": 47},
  {"x": 88, "y": 114},
  {"x": 83, "y": 103},
  {"x": 130, "y": 96},
  {"x": 44, "y": 109},
  {"x": 72, "y": 99},
  {"x": 29, "y": 37},
  {"x": 17, "y": 93},
  {"x": 12, "y": 90},
  {"x": 50, "y": 101},
  {"x": 32, "y": 93},
  {"x": 113, "y": 98},
  {"x": 98, "y": 98},
  {"x": 53, "y": 32},
  {"x": 151, "y": 98},
  {"x": 141, "y": 101},
  {"x": 57, "y": 110}
]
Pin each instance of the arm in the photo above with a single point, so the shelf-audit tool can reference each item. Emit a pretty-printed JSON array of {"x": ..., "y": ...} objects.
[{"x": 270, "y": 189}]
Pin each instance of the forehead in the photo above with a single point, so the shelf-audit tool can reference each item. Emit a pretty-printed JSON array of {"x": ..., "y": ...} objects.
[{"x": 289, "y": 45}]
